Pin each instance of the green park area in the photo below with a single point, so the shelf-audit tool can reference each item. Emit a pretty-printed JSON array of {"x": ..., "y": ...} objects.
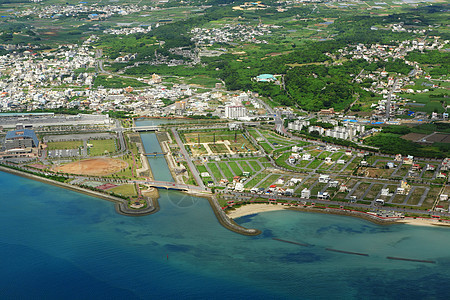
[
  {"x": 101, "y": 147},
  {"x": 117, "y": 82},
  {"x": 127, "y": 190},
  {"x": 218, "y": 140}
]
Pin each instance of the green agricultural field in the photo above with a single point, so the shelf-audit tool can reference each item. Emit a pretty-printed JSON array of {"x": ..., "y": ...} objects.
[
  {"x": 102, "y": 147},
  {"x": 64, "y": 145}
]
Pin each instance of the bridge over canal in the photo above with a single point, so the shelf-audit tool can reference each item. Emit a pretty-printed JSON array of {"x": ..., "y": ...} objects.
[{"x": 172, "y": 186}]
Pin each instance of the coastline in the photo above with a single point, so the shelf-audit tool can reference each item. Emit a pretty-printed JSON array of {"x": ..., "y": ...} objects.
[
  {"x": 250, "y": 209},
  {"x": 121, "y": 205},
  {"x": 226, "y": 219}
]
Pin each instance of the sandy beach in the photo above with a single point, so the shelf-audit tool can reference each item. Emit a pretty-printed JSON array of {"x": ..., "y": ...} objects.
[
  {"x": 423, "y": 222},
  {"x": 250, "y": 209}
]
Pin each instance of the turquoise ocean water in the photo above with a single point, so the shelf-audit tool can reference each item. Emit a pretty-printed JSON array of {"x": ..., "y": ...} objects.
[{"x": 58, "y": 244}]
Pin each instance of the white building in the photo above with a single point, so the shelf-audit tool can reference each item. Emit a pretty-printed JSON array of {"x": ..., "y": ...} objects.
[
  {"x": 235, "y": 112},
  {"x": 298, "y": 125},
  {"x": 306, "y": 193},
  {"x": 324, "y": 178}
]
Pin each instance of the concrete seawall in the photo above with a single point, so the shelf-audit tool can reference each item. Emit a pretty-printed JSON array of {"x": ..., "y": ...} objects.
[{"x": 226, "y": 222}]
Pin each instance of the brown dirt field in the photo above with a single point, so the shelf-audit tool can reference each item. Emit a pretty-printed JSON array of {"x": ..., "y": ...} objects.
[
  {"x": 413, "y": 136},
  {"x": 439, "y": 137},
  {"x": 95, "y": 167}
]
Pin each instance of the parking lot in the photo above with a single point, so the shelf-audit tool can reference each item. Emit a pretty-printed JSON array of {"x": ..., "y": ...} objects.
[{"x": 63, "y": 153}]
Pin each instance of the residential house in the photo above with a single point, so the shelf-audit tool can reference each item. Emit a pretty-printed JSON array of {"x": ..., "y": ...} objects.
[
  {"x": 333, "y": 184},
  {"x": 415, "y": 167},
  {"x": 343, "y": 189},
  {"x": 306, "y": 193},
  {"x": 294, "y": 181},
  {"x": 430, "y": 167},
  {"x": 384, "y": 192},
  {"x": 280, "y": 181},
  {"x": 306, "y": 156},
  {"x": 323, "y": 195},
  {"x": 289, "y": 192},
  {"x": 408, "y": 160},
  {"x": 239, "y": 187},
  {"x": 390, "y": 165},
  {"x": 324, "y": 178}
]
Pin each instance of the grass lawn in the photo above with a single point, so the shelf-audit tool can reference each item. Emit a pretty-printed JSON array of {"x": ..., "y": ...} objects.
[
  {"x": 236, "y": 138},
  {"x": 266, "y": 147},
  {"x": 336, "y": 155},
  {"x": 127, "y": 190},
  {"x": 244, "y": 165},
  {"x": 102, "y": 147},
  {"x": 324, "y": 154},
  {"x": 64, "y": 145},
  {"x": 269, "y": 181},
  {"x": 255, "y": 180},
  {"x": 255, "y": 165},
  {"x": 215, "y": 171},
  {"x": 196, "y": 150},
  {"x": 201, "y": 169},
  {"x": 315, "y": 164},
  {"x": 235, "y": 168},
  {"x": 218, "y": 148},
  {"x": 226, "y": 171}
]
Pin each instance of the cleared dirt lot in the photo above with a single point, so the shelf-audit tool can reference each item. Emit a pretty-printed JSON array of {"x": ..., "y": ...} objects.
[{"x": 95, "y": 167}]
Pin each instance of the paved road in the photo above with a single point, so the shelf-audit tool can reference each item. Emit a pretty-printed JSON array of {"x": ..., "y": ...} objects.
[
  {"x": 188, "y": 159},
  {"x": 330, "y": 202}
]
